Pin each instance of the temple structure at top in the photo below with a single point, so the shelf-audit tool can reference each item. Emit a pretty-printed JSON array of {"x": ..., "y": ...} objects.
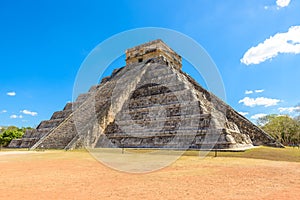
[{"x": 153, "y": 49}]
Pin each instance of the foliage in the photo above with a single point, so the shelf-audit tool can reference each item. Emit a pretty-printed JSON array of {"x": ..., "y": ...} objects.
[
  {"x": 10, "y": 133},
  {"x": 282, "y": 127}
]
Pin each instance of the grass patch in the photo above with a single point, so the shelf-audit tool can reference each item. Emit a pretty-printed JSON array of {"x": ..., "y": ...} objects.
[{"x": 268, "y": 153}]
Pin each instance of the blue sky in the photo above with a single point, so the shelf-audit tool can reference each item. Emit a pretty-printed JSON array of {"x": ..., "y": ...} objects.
[{"x": 254, "y": 43}]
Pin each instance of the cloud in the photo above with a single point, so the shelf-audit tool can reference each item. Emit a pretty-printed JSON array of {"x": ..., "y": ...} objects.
[
  {"x": 248, "y": 92},
  {"x": 288, "y": 42},
  {"x": 251, "y": 91},
  {"x": 259, "y": 101},
  {"x": 282, "y": 3},
  {"x": 259, "y": 91},
  {"x": 3, "y": 111},
  {"x": 257, "y": 116},
  {"x": 244, "y": 113},
  {"x": 27, "y": 112},
  {"x": 289, "y": 109},
  {"x": 16, "y": 116},
  {"x": 11, "y": 94}
]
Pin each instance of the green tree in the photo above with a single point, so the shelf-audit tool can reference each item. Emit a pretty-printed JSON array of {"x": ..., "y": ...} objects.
[
  {"x": 282, "y": 127},
  {"x": 11, "y": 133}
]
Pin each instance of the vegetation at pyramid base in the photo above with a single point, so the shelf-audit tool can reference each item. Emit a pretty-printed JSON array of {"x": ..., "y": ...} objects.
[
  {"x": 9, "y": 133},
  {"x": 284, "y": 128}
]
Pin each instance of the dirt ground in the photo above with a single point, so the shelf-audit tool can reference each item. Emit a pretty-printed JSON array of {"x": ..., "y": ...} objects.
[{"x": 77, "y": 175}]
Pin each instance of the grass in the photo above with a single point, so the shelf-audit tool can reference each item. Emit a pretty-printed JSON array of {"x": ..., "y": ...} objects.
[{"x": 289, "y": 154}]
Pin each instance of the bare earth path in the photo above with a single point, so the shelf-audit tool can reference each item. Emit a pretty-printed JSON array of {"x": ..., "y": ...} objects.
[{"x": 76, "y": 175}]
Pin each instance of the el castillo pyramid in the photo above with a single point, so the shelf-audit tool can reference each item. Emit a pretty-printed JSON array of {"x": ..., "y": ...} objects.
[{"x": 149, "y": 103}]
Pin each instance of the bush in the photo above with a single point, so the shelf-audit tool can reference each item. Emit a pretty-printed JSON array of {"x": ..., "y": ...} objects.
[{"x": 11, "y": 133}]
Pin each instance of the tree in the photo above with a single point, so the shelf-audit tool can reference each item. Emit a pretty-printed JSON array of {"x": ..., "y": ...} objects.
[
  {"x": 283, "y": 128},
  {"x": 265, "y": 119},
  {"x": 11, "y": 133}
]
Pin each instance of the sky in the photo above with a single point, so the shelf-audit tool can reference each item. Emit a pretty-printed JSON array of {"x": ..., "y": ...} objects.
[{"x": 254, "y": 43}]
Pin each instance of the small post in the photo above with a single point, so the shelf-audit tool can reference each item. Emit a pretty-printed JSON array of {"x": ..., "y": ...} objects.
[{"x": 216, "y": 152}]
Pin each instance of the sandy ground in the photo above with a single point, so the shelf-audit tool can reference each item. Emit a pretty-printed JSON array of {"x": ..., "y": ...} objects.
[{"x": 77, "y": 175}]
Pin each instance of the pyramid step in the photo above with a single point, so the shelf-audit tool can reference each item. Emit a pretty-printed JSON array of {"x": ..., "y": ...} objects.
[
  {"x": 153, "y": 88},
  {"x": 83, "y": 97},
  {"x": 162, "y": 72},
  {"x": 61, "y": 114},
  {"x": 178, "y": 108},
  {"x": 159, "y": 133},
  {"x": 170, "y": 78},
  {"x": 160, "y": 112},
  {"x": 183, "y": 120},
  {"x": 15, "y": 143},
  {"x": 29, "y": 133},
  {"x": 94, "y": 88},
  {"x": 171, "y": 96},
  {"x": 52, "y": 123},
  {"x": 59, "y": 137}
]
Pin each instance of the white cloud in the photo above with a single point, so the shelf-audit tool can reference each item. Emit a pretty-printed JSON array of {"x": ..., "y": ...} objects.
[
  {"x": 259, "y": 91},
  {"x": 259, "y": 101},
  {"x": 16, "y": 116},
  {"x": 248, "y": 92},
  {"x": 244, "y": 113},
  {"x": 288, "y": 42},
  {"x": 251, "y": 91},
  {"x": 27, "y": 112},
  {"x": 282, "y": 3},
  {"x": 289, "y": 109},
  {"x": 11, "y": 94},
  {"x": 257, "y": 116},
  {"x": 3, "y": 111},
  {"x": 13, "y": 116}
]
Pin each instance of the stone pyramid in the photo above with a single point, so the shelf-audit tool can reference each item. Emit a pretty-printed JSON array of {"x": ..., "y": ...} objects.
[{"x": 149, "y": 103}]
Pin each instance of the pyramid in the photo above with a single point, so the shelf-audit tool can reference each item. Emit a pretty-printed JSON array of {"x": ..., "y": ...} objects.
[{"x": 149, "y": 103}]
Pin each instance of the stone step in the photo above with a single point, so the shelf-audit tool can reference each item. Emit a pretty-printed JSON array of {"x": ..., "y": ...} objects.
[
  {"x": 186, "y": 120},
  {"x": 59, "y": 137},
  {"x": 61, "y": 114},
  {"x": 160, "y": 90},
  {"x": 155, "y": 133},
  {"x": 83, "y": 97},
  {"x": 158, "y": 73},
  {"x": 68, "y": 106},
  {"x": 159, "y": 112},
  {"x": 29, "y": 133},
  {"x": 181, "y": 108},
  {"x": 94, "y": 88},
  {"x": 169, "y": 97},
  {"x": 28, "y": 142},
  {"x": 170, "y": 78},
  {"x": 52, "y": 123}
]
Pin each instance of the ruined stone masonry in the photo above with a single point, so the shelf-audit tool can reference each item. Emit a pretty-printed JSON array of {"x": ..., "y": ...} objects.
[{"x": 149, "y": 103}]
